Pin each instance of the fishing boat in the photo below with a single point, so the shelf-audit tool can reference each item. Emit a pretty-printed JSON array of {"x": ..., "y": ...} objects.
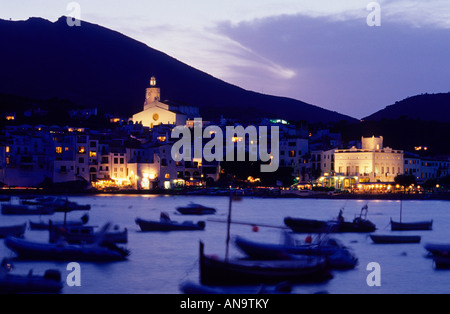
[
  {"x": 99, "y": 252},
  {"x": 45, "y": 225},
  {"x": 196, "y": 209},
  {"x": 169, "y": 225},
  {"x": 215, "y": 271},
  {"x": 86, "y": 234},
  {"x": 14, "y": 231},
  {"x": 411, "y": 226},
  {"x": 394, "y": 239},
  {"x": 50, "y": 282},
  {"x": 338, "y": 256},
  {"x": 20, "y": 209},
  {"x": 360, "y": 224}
]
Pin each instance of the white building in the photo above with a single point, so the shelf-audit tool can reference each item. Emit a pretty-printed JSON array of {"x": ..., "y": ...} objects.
[{"x": 373, "y": 163}]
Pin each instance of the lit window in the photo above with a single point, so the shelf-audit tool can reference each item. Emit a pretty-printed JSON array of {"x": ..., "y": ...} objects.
[
  {"x": 59, "y": 150},
  {"x": 167, "y": 176},
  {"x": 161, "y": 138},
  {"x": 7, "y": 149},
  {"x": 92, "y": 154},
  {"x": 81, "y": 150}
]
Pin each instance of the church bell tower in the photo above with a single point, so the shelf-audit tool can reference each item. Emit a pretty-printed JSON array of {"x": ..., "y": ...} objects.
[{"x": 153, "y": 93}]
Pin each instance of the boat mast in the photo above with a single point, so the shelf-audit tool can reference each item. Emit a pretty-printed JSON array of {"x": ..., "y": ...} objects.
[{"x": 228, "y": 226}]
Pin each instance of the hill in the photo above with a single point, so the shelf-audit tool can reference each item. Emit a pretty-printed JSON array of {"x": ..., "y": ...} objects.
[
  {"x": 426, "y": 107},
  {"x": 92, "y": 66}
]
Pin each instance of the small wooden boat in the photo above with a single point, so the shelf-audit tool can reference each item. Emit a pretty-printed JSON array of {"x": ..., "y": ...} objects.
[
  {"x": 86, "y": 235},
  {"x": 394, "y": 239},
  {"x": 14, "y": 231},
  {"x": 50, "y": 282},
  {"x": 45, "y": 225},
  {"x": 411, "y": 226},
  {"x": 339, "y": 257},
  {"x": 20, "y": 209},
  {"x": 104, "y": 252},
  {"x": 166, "y": 224},
  {"x": 196, "y": 209},
  {"x": 215, "y": 271}
]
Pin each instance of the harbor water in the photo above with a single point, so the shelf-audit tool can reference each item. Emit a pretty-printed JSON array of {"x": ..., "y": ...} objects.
[{"x": 160, "y": 261}]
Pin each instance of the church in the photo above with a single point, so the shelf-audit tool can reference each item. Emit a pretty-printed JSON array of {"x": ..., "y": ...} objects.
[{"x": 157, "y": 112}]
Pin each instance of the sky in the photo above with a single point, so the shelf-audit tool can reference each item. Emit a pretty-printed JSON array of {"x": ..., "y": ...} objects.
[{"x": 351, "y": 56}]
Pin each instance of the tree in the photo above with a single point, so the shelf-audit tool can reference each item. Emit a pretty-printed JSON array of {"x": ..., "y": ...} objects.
[{"x": 405, "y": 180}]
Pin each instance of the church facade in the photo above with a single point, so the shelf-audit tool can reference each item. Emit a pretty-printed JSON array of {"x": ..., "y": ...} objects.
[{"x": 156, "y": 112}]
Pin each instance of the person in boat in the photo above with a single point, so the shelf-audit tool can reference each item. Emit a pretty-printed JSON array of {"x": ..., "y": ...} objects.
[
  {"x": 164, "y": 217},
  {"x": 340, "y": 217}
]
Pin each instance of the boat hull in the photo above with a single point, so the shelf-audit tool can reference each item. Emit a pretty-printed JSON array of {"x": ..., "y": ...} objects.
[
  {"x": 338, "y": 258},
  {"x": 14, "y": 284},
  {"x": 412, "y": 226},
  {"x": 13, "y": 231},
  {"x": 394, "y": 239},
  {"x": 8, "y": 209},
  {"x": 55, "y": 252},
  {"x": 299, "y": 225},
  {"x": 148, "y": 226},
  {"x": 214, "y": 271}
]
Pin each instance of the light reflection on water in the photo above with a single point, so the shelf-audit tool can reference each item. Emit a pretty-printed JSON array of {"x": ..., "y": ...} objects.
[{"x": 160, "y": 261}]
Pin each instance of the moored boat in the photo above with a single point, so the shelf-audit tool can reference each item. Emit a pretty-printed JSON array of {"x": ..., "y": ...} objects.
[
  {"x": 71, "y": 223},
  {"x": 166, "y": 224},
  {"x": 20, "y": 209},
  {"x": 14, "y": 231},
  {"x": 338, "y": 256},
  {"x": 394, "y": 239},
  {"x": 104, "y": 252},
  {"x": 438, "y": 249},
  {"x": 86, "y": 235},
  {"x": 411, "y": 226},
  {"x": 50, "y": 282},
  {"x": 215, "y": 271},
  {"x": 196, "y": 209}
]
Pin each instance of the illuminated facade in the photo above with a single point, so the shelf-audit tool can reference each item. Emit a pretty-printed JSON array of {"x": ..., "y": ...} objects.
[
  {"x": 372, "y": 163},
  {"x": 156, "y": 112}
]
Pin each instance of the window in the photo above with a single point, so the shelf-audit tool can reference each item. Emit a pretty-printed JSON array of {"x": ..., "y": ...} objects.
[
  {"x": 81, "y": 160},
  {"x": 92, "y": 154},
  {"x": 116, "y": 161},
  {"x": 167, "y": 176},
  {"x": 81, "y": 150},
  {"x": 63, "y": 169},
  {"x": 93, "y": 144},
  {"x": 164, "y": 162},
  {"x": 292, "y": 153},
  {"x": 105, "y": 160},
  {"x": 59, "y": 150},
  {"x": 122, "y": 161}
]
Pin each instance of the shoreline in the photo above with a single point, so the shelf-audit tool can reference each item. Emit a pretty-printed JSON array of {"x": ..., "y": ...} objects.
[{"x": 318, "y": 195}]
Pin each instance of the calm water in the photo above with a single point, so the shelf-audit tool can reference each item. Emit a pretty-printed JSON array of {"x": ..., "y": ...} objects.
[{"x": 159, "y": 261}]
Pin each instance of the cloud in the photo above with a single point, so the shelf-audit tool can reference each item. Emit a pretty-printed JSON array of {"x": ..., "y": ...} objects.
[{"x": 345, "y": 65}]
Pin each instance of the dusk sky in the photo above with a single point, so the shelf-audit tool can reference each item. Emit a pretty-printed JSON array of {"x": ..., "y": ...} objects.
[{"x": 322, "y": 52}]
